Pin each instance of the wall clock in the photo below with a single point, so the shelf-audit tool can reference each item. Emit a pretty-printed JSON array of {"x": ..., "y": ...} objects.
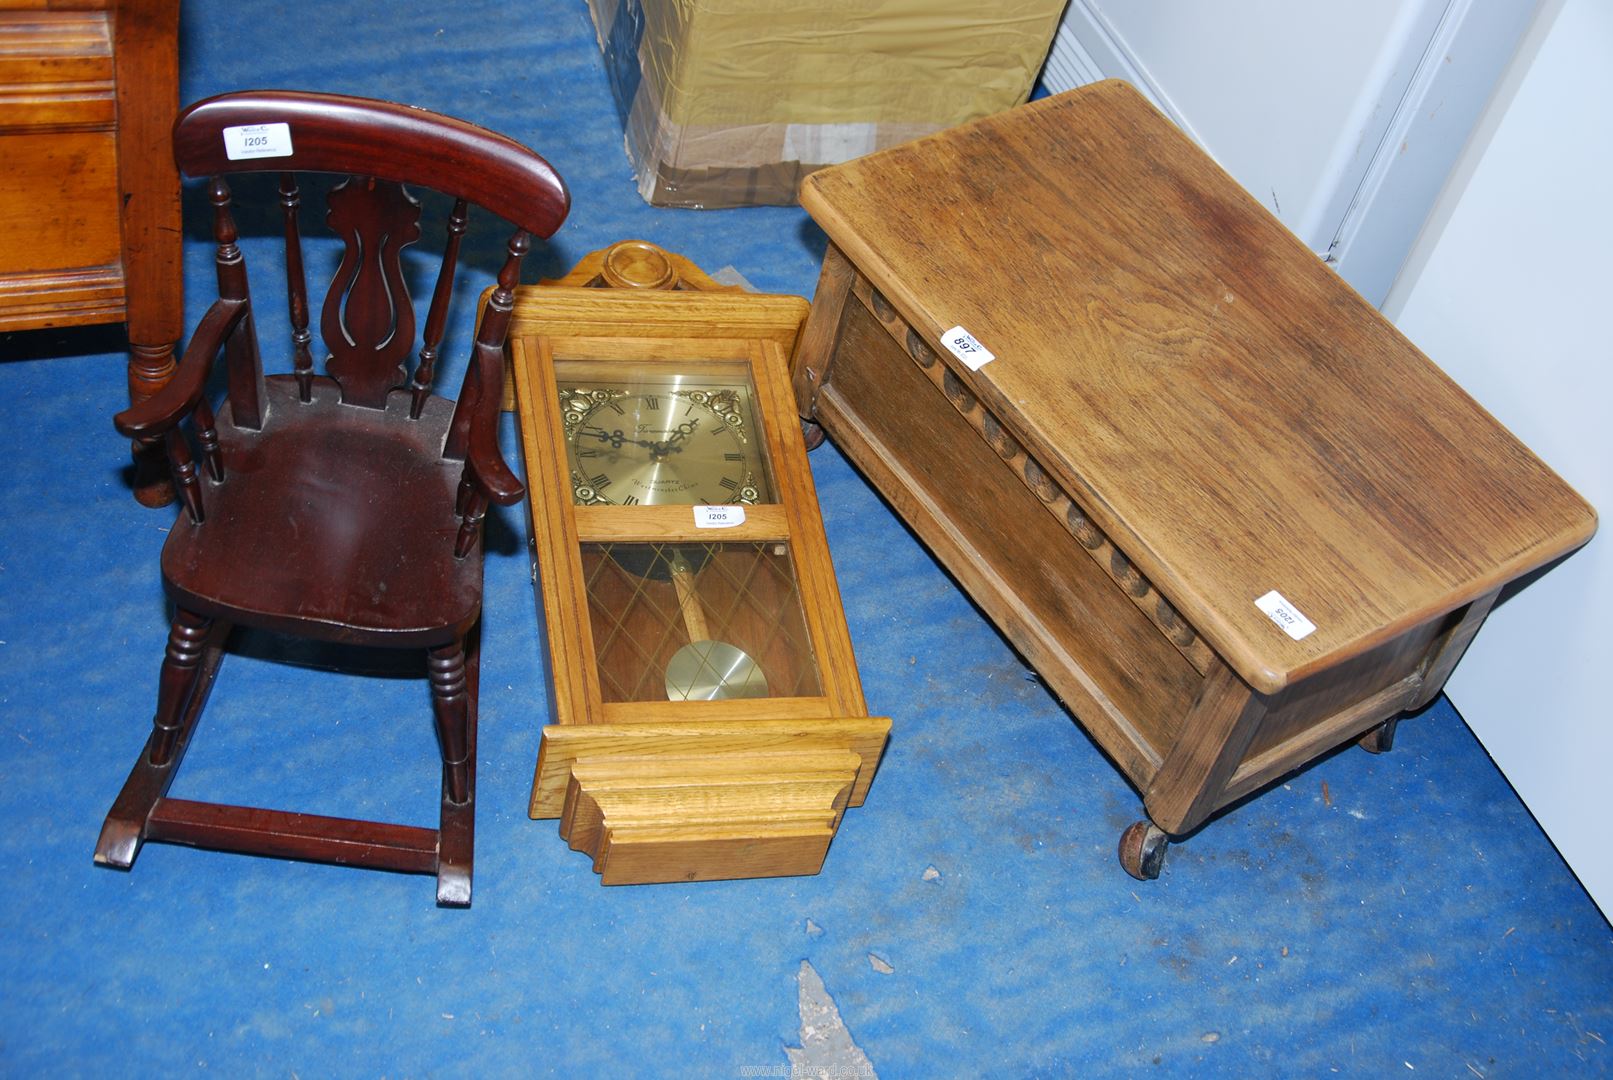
[{"x": 707, "y": 717}]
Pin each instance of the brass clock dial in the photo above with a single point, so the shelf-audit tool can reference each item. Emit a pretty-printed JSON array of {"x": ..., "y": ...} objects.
[{"x": 663, "y": 439}]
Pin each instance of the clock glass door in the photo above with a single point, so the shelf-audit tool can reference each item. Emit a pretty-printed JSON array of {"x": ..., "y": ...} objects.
[{"x": 697, "y": 621}]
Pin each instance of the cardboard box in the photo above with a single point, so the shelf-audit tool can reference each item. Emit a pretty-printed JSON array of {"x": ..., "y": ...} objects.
[{"x": 732, "y": 102}]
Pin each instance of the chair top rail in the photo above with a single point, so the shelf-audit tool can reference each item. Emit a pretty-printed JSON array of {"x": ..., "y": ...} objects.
[{"x": 341, "y": 134}]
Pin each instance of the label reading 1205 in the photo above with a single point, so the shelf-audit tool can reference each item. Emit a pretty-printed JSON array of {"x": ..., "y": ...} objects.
[
  {"x": 257, "y": 141},
  {"x": 1285, "y": 615},
  {"x": 718, "y": 517}
]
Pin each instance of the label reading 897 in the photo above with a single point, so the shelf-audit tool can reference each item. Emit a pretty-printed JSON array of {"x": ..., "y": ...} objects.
[{"x": 965, "y": 347}]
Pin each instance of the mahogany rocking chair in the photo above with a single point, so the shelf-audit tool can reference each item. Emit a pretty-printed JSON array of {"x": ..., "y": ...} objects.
[{"x": 345, "y": 507}]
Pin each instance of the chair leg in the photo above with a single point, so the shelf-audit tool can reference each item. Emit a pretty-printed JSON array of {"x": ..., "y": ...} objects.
[
  {"x": 451, "y": 705},
  {"x": 181, "y": 665},
  {"x": 455, "y": 671},
  {"x": 142, "y": 811},
  {"x": 195, "y": 650}
]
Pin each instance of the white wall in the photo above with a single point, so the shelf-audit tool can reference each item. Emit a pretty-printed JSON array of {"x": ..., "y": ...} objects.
[
  {"x": 1243, "y": 73},
  {"x": 1509, "y": 290}
]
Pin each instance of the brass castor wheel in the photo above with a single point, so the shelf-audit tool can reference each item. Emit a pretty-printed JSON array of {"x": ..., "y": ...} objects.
[
  {"x": 812, "y": 434},
  {"x": 1142, "y": 850},
  {"x": 1381, "y": 739}
]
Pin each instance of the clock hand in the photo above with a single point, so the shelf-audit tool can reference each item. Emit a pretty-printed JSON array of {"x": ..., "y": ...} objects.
[
  {"x": 616, "y": 438},
  {"x": 682, "y": 431}
]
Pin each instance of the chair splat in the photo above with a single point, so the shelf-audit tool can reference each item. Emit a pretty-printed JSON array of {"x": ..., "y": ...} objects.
[{"x": 368, "y": 320}]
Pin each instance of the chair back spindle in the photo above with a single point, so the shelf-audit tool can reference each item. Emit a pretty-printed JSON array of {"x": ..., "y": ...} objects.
[
  {"x": 248, "y": 404},
  {"x": 437, "y": 318},
  {"x": 302, "y": 359},
  {"x": 484, "y": 375}
]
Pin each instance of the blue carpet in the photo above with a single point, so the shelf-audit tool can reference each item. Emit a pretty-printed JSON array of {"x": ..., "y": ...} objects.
[{"x": 1398, "y": 915}]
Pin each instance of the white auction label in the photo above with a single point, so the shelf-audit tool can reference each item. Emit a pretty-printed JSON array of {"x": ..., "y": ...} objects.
[
  {"x": 718, "y": 517},
  {"x": 962, "y": 344},
  {"x": 1285, "y": 615},
  {"x": 257, "y": 141}
]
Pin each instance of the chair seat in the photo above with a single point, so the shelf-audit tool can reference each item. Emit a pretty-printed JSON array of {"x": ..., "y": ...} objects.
[{"x": 347, "y": 527}]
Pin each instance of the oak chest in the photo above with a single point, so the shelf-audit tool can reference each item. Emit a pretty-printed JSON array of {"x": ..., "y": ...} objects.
[{"x": 1227, "y": 511}]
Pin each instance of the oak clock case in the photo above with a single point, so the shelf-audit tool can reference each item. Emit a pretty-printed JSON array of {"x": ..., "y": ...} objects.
[{"x": 707, "y": 720}]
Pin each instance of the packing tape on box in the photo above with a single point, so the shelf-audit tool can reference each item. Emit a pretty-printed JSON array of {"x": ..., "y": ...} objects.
[
  {"x": 732, "y": 102},
  {"x": 728, "y": 62}
]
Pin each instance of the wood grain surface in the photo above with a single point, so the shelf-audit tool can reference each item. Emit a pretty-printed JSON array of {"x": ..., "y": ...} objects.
[
  {"x": 1233, "y": 415},
  {"x": 89, "y": 195}
]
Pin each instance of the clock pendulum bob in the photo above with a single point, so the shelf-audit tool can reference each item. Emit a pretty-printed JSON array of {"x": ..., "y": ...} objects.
[{"x": 707, "y": 669}]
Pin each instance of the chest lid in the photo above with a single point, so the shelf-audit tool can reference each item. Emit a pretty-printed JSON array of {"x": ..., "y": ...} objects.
[{"x": 1232, "y": 414}]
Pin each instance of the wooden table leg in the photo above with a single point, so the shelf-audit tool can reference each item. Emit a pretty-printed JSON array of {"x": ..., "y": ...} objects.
[
  {"x": 1447, "y": 650},
  {"x": 1215, "y": 734},
  {"x": 146, "y": 57}
]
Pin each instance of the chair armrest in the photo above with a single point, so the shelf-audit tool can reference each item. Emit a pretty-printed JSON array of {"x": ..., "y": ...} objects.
[
  {"x": 168, "y": 406},
  {"x": 486, "y": 463},
  {"x": 493, "y": 476}
]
